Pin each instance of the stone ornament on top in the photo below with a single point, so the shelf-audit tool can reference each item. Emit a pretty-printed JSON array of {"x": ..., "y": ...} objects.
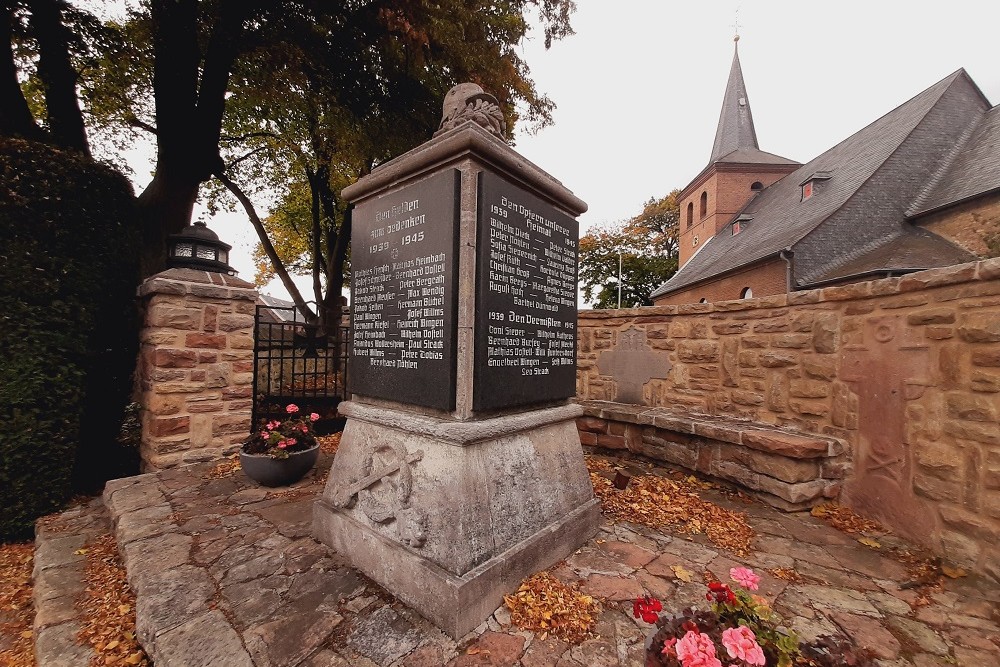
[
  {"x": 631, "y": 364},
  {"x": 467, "y": 102}
]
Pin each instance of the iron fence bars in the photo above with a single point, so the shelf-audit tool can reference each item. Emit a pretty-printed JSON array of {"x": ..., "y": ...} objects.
[{"x": 295, "y": 361}]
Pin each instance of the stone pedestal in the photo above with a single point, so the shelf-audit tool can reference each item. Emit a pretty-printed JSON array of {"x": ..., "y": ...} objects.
[
  {"x": 449, "y": 516},
  {"x": 195, "y": 367},
  {"x": 460, "y": 470}
]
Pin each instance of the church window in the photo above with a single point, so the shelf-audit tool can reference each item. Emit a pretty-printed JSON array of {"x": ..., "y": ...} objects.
[
  {"x": 756, "y": 186},
  {"x": 703, "y": 300},
  {"x": 704, "y": 204},
  {"x": 690, "y": 214},
  {"x": 746, "y": 293}
]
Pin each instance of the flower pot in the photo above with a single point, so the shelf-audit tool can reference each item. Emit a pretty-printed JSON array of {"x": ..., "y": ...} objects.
[{"x": 269, "y": 471}]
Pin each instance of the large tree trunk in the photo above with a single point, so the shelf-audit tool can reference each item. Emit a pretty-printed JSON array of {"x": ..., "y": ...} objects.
[
  {"x": 188, "y": 115},
  {"x": 15, "y": 116},
  {"x": 165, "y": 207},
  {"x": 58, "y": 76}
]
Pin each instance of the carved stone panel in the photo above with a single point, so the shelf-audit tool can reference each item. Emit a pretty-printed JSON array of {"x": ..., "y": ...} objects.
[
  {"x": 632, "y": 363},
  {"x": 885, "y": 372}
]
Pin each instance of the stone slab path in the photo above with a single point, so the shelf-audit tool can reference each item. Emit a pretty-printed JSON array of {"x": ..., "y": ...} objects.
[
  {"x": 58, "y": 577},
  {"x": 226, "y": 574}
]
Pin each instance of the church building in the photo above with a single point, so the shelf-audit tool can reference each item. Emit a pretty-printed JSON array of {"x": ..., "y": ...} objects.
[{"x": 918, "y": 188}]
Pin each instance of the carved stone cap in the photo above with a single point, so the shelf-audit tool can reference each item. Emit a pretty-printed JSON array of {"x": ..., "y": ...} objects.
[{"x": 467, "y": 102}]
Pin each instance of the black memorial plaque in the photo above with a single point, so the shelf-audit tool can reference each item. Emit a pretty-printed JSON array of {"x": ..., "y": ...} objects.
[
  {"x": 404, "y": 294},
  {"x": 526, "y": 298}
]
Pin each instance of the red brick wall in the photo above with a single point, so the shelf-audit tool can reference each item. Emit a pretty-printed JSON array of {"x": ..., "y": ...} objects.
[
  {"x": 728, "y": 192},
  {"x": 764, "y": 279}
]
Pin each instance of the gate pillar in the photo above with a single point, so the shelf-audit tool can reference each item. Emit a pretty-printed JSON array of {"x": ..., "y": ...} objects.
[{"x": 195, "y": 376}]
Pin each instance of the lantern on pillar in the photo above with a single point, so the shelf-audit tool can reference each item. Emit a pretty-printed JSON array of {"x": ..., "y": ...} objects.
[{"x": 198, "y": 247}]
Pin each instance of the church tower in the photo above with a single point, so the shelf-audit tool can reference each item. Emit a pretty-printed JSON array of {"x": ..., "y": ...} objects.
[{"x": 736, "y": 171}]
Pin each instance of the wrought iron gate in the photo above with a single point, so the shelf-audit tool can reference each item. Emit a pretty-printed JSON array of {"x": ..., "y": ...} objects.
[{"x": 296, "y": 363}]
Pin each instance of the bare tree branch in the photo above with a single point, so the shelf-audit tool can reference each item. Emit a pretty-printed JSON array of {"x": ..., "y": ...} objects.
[{"x": 272, "y": 254}]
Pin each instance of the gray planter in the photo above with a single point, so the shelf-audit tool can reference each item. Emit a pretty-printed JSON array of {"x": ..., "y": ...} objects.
[{"x": 279, "y": 472}]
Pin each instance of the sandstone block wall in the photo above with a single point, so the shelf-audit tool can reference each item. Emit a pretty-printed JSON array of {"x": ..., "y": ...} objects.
[
  {"x": 196, "y": 366},
  {"x": 905, "y": 371},
  {"x": 974, "y": 225}
]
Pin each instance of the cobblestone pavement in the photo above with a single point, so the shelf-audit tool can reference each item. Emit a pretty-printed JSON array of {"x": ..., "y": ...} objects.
[{"x": 226, "y": 574}]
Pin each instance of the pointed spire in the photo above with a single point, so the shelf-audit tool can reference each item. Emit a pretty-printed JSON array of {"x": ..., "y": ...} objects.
[{"x": 735, "y": 129}]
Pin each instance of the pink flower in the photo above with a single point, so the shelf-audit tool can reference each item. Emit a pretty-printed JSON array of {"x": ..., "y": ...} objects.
[
  {"x": 292, "y": 409},
  {"x": 695, "y": 649},
  {"x": 273, "y": 425},
  {"x": 668, "y": 647},
  {"x": 265, "y": 434},
  {"x": 282, "y": 444},
  {"x": 304, "y": 428},
  {"x": 741, "y": 644},
  {"x": 313, "y": 417},
  {"x": 745, "y": 577}
]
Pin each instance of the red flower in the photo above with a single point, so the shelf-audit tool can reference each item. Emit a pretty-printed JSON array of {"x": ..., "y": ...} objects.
[{"x": 647, "y": 609}]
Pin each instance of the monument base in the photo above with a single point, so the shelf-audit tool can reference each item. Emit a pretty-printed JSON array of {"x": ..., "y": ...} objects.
[{"x": 450, "y": 516}]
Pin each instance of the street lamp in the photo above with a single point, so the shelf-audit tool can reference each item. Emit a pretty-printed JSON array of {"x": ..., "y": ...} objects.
[{"x": 198, "y": 247}]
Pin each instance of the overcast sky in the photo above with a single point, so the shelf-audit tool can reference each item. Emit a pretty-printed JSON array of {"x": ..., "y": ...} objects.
[{"x": 639, "y": 87}]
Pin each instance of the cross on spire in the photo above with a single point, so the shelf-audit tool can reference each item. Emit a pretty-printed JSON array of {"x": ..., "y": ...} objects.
[{"x": 735, "y": 25}]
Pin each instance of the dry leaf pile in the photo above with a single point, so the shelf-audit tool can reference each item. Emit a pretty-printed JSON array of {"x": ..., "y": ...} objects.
[
  {"x": 784, "y": 573},
  {"x": 109, "y": 609},
  {"x": 660, "y": 503},
  {"x": 328, "y": 444},
  {"x": 845, "y": 519},
  {"x": 16, "y": 611},
  {"x": 228, "y": 467},
  {"x": 547, "y": 606}
]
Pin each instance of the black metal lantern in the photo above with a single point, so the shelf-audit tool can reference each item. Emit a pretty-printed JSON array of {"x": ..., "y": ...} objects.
[{"x": 198, "y": 247}]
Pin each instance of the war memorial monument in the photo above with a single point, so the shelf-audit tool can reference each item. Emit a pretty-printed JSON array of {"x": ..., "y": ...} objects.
[{"x": 460, "y": 470}]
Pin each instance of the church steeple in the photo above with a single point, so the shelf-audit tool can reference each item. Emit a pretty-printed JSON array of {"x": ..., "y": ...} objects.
[{"x": 735, "y": 129}]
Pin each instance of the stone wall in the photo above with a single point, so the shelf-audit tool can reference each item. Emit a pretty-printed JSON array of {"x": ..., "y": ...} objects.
[
  {"x": 971, "y": 225},
  {"x": 905, "y": 371},
  {"x": 196, "y": 366}
]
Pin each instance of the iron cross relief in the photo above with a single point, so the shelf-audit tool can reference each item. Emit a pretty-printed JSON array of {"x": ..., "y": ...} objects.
[
  {"x": 310, "y": 340},
  {"x": 632, "y": 363}
]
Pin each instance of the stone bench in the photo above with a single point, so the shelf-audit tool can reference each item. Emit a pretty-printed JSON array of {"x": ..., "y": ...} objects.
[{"x": 788, "y": 469}]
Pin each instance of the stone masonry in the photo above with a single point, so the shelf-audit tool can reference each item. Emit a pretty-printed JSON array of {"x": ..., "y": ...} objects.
[
  {"x": 196, "y": 366},
  {"x": 905, "y": 371}
]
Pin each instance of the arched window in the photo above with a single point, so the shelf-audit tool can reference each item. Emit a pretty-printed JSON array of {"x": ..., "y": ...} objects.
[
  {"x": 703, "y": 300},
  {"x": 690, "y": 214},
  {"x": 756, "y": 186},
  {"x": 746, "y": 293},
  {"x": 704, "y": 204}
]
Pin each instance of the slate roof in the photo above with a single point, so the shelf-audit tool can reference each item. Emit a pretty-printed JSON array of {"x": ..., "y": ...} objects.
[
  {"x": 914, "y": 249},
  {"x": 974, "y": 170},
  {"x": 780, "y": 219},
  {"x": 735, "y": 131}
]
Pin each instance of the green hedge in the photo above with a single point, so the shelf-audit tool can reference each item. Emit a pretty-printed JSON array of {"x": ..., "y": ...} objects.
[{"x": 68, "y": 326}]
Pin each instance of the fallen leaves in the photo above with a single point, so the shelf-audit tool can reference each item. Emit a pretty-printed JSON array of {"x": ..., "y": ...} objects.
[
  {"x": 547, "y": 606},
  {"x": 328, "y": 444},
  {"x": 870, "y": 543},
  {"x": 784, "y": 573},
  {"x": 227, "y": 468},
  {"x": 660, "y": 503},
  {"x": 681, "y": 573},
  {"x": 108, "y": 618},
  {"x": 845, "y": 519},
  {"x": 16, "y": 610}
]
